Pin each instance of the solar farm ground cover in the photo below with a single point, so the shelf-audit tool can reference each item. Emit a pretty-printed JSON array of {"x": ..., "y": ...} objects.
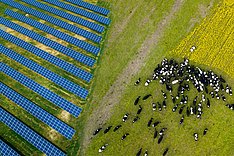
[{"x": 134, "y": 25}]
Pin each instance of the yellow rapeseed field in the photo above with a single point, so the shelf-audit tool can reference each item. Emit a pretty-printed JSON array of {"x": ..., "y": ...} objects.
[{"x": 213, "y": 39}]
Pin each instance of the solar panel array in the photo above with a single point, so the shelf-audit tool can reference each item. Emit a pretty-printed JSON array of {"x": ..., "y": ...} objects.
[
  {"x": 44, "y": 92},
  {"x": 84, "y": 45},
  {"x": 70, "y": 86},
  {"x": 63, "y": 49},
  {"x": 29, "y": 135},
  {"x": 50, "y": 58},
  {"x": 79, "y": 11},
  {"x": 37, "y": 111},
  {"x": 70, "y": 17},
  {"x": 90, "y": 7},
  {"x": 54, "y": 8},
  {"x": 6, "y": 150},
  {"x": 55, "y": 21}
]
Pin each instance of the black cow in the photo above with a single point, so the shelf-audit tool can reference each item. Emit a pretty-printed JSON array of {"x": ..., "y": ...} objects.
[
  {"x": 208, "y": 103},
  {"x": 155, "y": 133},
  {"x": 138, "y": 81},
  {"x": 221, "y": 79},
  {"x": 139, "y": 152},
  {"x": 205, "y": 131},
  {"x": 149, "y": 122},
  {"x": 195, "y": 101},
  {"x": 117, "y": 127},
  {"x": 97, "y": 131},
  {"x": 188, "y": 111},
  {"x": 181, "y": 109},
  {"x": 165, "y": 152},
  {"x": 107, "y": 129},
  {"x": 135, "y": 119},
  {"x": 139, "y": 109},
  {"x": 160, "y": 139},
  {"x": 124, "y": 136},
  {"x": 146, "y": 97},
  {"x": 156, "y": 123},
  {"x": 137, "y": 100}
]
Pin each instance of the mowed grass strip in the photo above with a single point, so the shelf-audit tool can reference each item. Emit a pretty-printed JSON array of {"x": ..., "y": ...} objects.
[{"x": 214, "y": 41}]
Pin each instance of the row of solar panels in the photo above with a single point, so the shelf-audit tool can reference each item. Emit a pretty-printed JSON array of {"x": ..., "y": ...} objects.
[
  {"x": 70, "y": 17},
  {"x": 6, "y": 150},
  {"x": 29, "y": 135},
  {"x": 55, "y": 21},
  {"x": 70, "y": 68},
  {"x": 82, "y": 44},
  {"x": 63, "y": 49},
  {"x": 44, "y": 92},
  {"x": 66, "y": 84},
  {"x": 79, "y": 11},
  {"x": 90, "y": 6},
  {"x": 32, "y": 108}
]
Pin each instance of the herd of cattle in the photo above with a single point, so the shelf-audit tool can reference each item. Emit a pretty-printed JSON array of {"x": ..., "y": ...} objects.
[{"x": 184, "y": 76}]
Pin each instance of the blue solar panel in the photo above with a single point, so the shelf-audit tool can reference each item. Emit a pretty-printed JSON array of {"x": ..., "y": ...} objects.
[
  {"x": 6, "y": 150},
  {"x": 29, "y": 135},
  {"x": 37, "y": 88},
  {"x": 63, "y": 49},
  {"x": 90, "y": 7},
  {"x": 84, "y": 45},
  {"x": 70, "y": 86},
  {"x": 50, "y": 58},
  {"x": 55, "y": 21},
  {"x": 79, "y": 11},
  {"x": 70, "y": 17},
  {"x": 37, "y": 111}
]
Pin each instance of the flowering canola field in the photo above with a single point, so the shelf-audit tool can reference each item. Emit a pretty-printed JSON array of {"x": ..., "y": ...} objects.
[{"x": 213, "y": 40}]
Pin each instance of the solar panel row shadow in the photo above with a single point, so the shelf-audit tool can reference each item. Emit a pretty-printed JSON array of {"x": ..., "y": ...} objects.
[
  {"x": 70, "y": 17},
  {"x": 80, "y": 11},
  {"x": 55, "y": 21},
  {"x": 68, "y": 85},
  {"x": 81, "y": 44},
  {"x": 90, "y": 6},
  {"x": 63, "y": 49},
  {"x": 49, "y": 57},
  {"x": 28, "y": 134},
  {"x": 37, "y": 88},
  {"x": 6, "y": 150},
  {"x": 37, "y": 112}
]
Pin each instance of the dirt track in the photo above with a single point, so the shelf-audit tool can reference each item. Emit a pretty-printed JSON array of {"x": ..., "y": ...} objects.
[{"x": 114, "y": 94}]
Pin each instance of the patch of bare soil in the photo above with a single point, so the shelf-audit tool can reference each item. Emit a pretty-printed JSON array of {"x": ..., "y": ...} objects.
[
  {"x": 113, "y": 96},
  {"x": 65, "y": 116},
  {"x": 53, "y": 134}
]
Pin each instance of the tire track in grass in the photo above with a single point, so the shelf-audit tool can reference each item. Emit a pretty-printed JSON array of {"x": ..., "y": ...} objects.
[{"x": 114, "y": 94}]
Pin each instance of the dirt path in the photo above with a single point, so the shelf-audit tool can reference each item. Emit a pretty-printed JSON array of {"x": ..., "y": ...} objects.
[{"x": 113, "y": 96}]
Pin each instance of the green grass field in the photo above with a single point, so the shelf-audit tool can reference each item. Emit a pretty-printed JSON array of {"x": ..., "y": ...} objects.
[{"x": 157, "y": 27}]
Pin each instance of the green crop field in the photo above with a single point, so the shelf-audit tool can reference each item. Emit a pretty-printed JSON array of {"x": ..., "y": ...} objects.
[{"x": 141, "y": 34}]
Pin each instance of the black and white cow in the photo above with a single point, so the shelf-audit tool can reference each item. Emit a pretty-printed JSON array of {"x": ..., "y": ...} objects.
[
  {"x": 181, "y": 109},
  {"x": 208, "y": 103},
  {"x": 174, "y": 108},
  {"x": 147, "y": 82},
  {"x": 154, "y": 106},
  {"x": 135, "y": 119},
  {"x": 195, "y": 136},
  {"x": 146, "y": 153},
  {"x": 125, "y": 117},
  {"x": 159, "y": 106},
  {"x": 156, "y": 123},
  {"x": 102, "y": 148},
  {"x": 138, "y": 82},
  {"x": 182, "y": 119}
]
